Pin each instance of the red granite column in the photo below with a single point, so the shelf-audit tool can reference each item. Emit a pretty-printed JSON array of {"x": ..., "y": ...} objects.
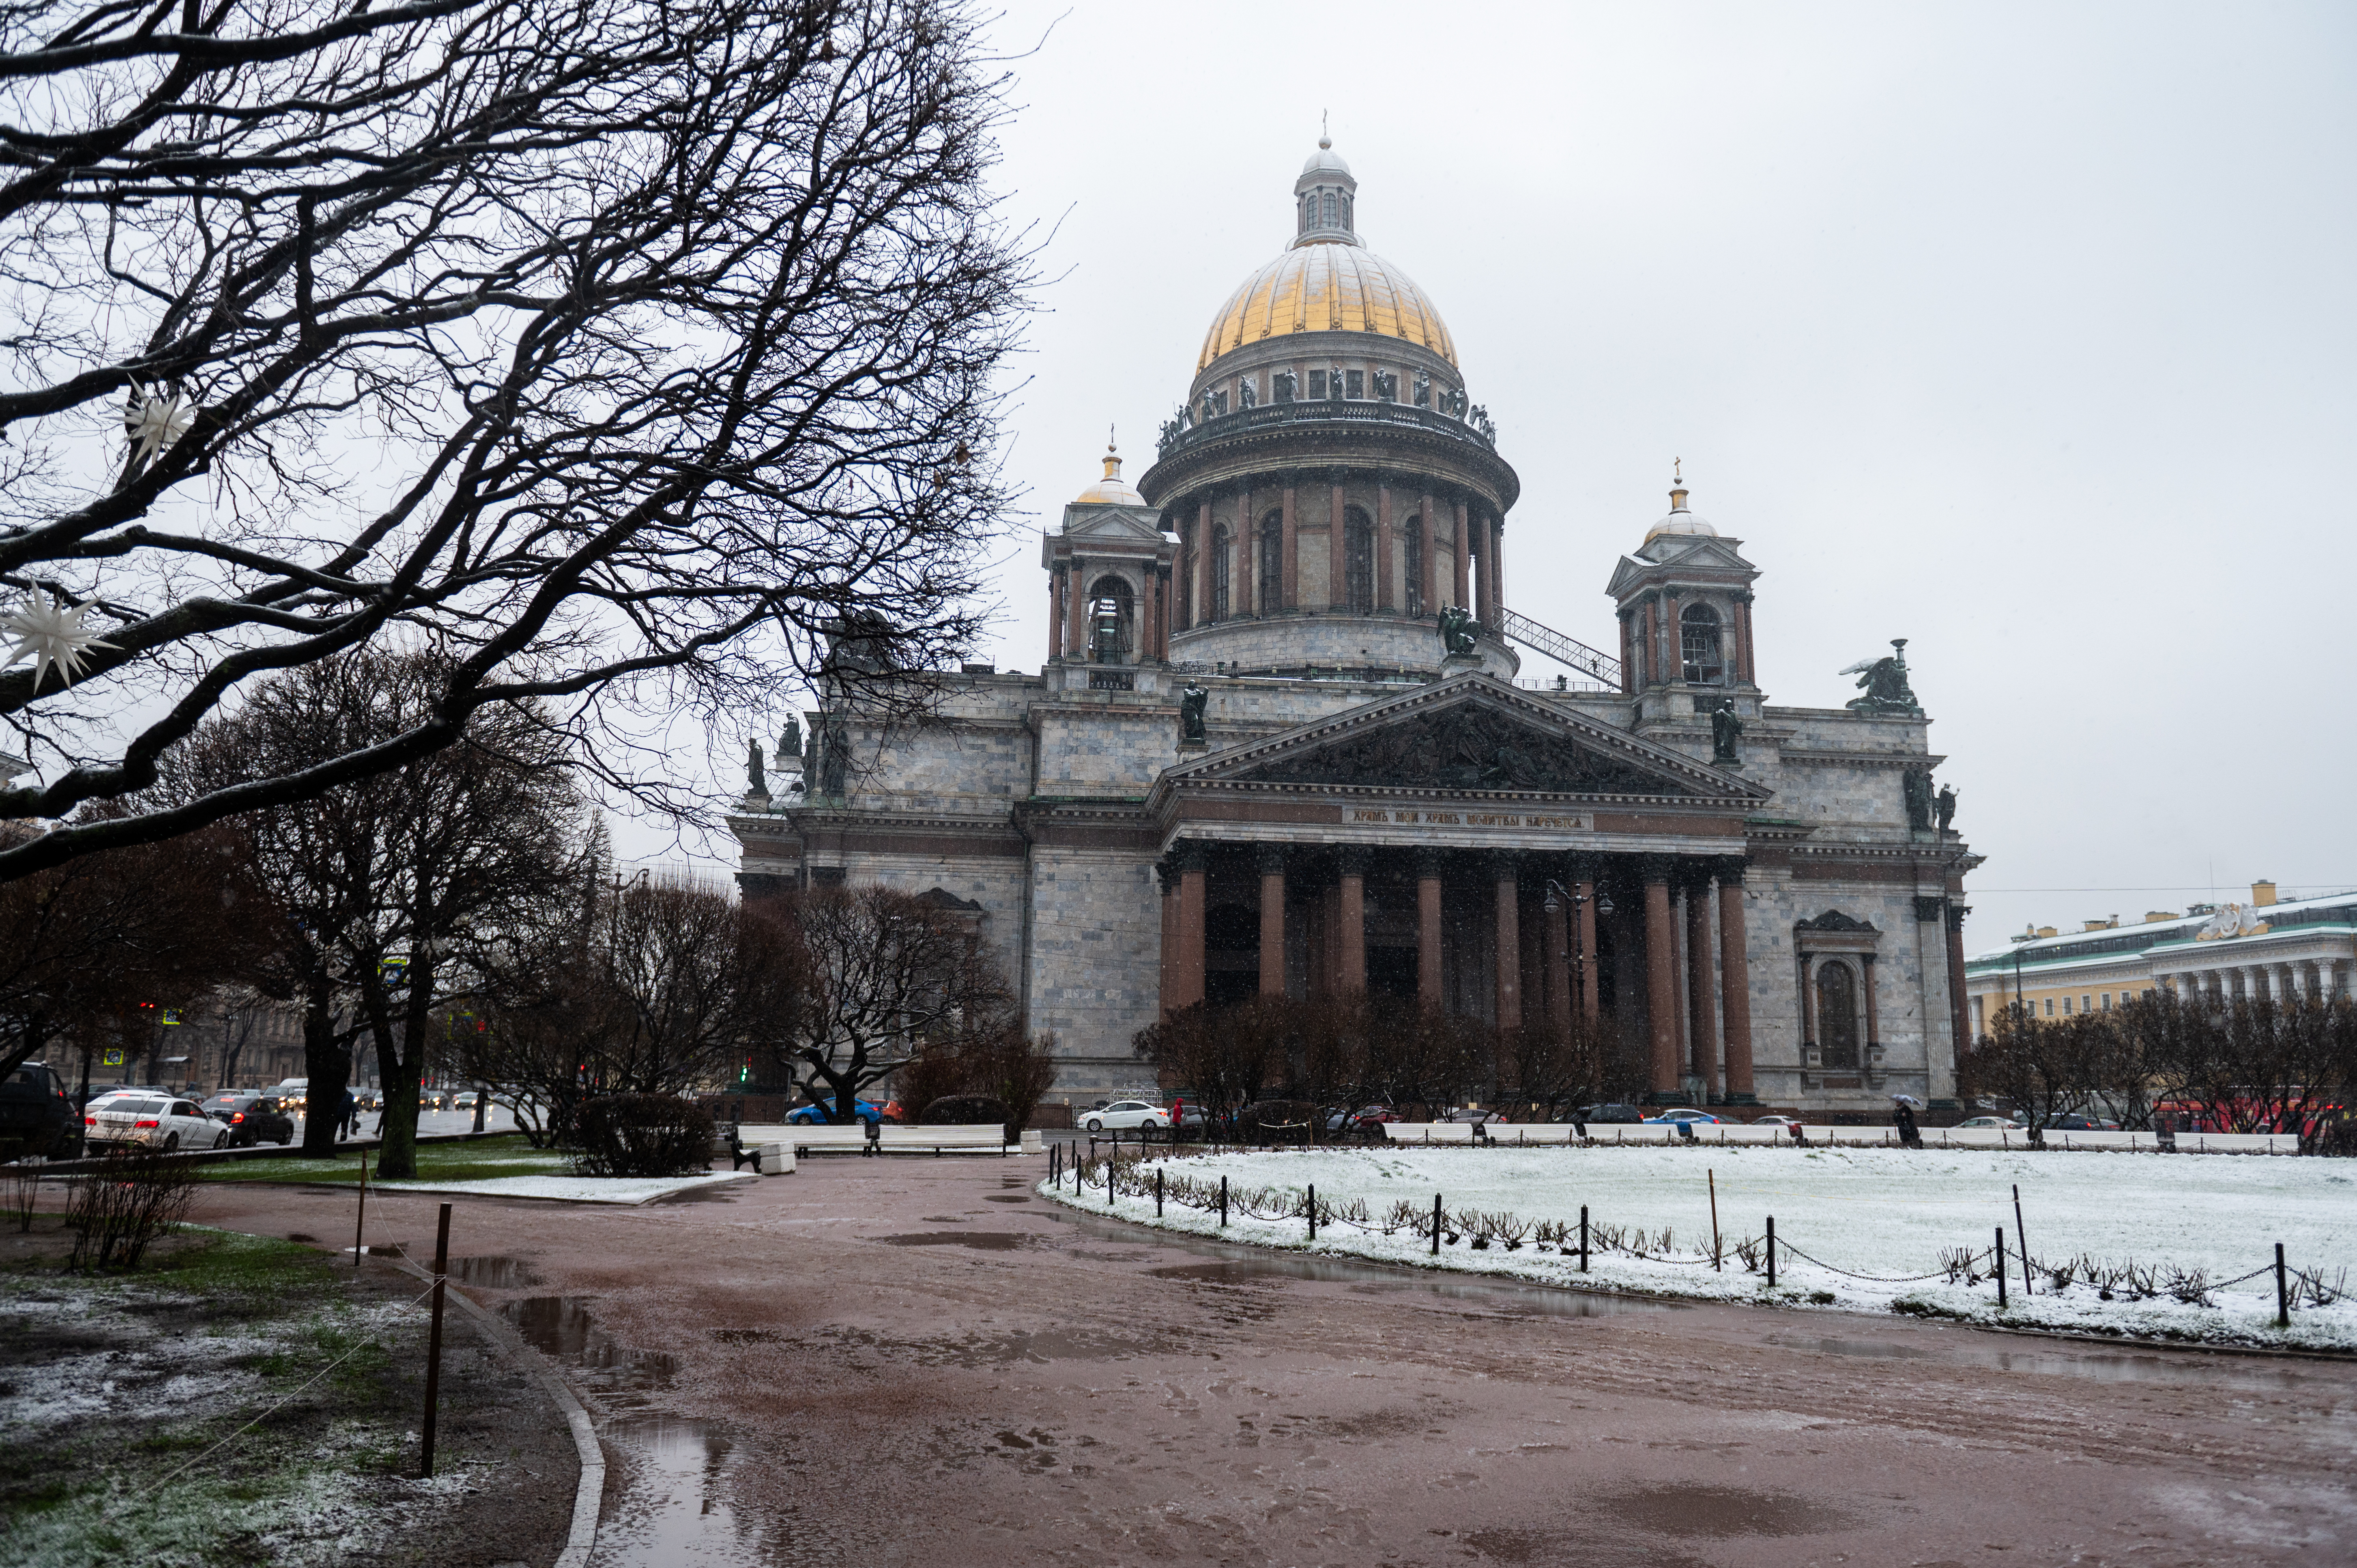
[
  {"x": 1427, "y": 928},
  {"x": 1589, "y": 1004},
  {"x": 1272, "y": 921},
  {"x": 1382, "y": 547},
  {"x": 1958, "y": 1007},
  {"x": 1661, "y": 979},
  {"x": 1248, "y": 553},
  {"x": 1149, "y": 618},
  {"x": 1055, "y": 612},
  {"x": 1292, "y": 555},
  {"x": 1350, "y": 913},
  {"x": 1190, "y": 925},
  {"x": 1424, "y": 579},
  {"x": 1510, "y": 942},
  {"x": 1702, "y": 1011},
  {"x": 1558, "y": 966},
  {"x": 1460, "y": 554},
  {"x": 1076, "y": 595},
  {"x": 1735, "y": 989}
]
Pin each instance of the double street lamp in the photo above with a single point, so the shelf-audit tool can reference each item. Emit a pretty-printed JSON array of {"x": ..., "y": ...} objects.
[{"x": 1559, "y": 898}]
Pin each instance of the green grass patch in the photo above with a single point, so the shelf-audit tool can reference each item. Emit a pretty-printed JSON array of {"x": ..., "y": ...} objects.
[{"x": 480, "y": 1161}]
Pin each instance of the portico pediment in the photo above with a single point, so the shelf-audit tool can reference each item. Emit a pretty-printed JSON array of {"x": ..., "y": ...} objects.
[
  {"x": 1103, "y": 525},
  {"x": 1474, "y": 732}
]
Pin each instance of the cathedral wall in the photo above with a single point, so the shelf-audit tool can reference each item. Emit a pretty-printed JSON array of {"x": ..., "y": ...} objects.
[
  {"x": 1341, "y": 642},
  {"x": 1103, "y": 751},
  {"x": 1095, "y": 960},
  {"x": 945, "y": 766},
  {"x": 1911, "y": 989}
]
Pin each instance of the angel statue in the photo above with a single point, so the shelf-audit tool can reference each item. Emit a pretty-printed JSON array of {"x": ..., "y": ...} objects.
[
  {"x": 757, "y": 782},
  {"x": 1456, "y": 629},
  {"x": 1884, "y": 681},
  {"x": 1191, "y": 703}
]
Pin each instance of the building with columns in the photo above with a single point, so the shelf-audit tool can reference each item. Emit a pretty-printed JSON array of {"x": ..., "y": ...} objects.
[
  {"x": 2276, "y": 950},
  {"x": 1379, "y": 800}
]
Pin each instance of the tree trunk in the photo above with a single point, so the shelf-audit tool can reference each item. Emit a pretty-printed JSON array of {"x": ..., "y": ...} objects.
[
  {"x": 328, "y": 1065},
  {"x": 397, "y": 1157}
]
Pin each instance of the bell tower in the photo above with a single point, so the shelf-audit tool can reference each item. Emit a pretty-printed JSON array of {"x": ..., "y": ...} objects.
[{"x": 1684, "y": 603}]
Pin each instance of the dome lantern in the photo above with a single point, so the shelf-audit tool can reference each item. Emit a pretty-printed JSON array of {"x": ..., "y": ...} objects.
[{"x": 1325, "y": 198}]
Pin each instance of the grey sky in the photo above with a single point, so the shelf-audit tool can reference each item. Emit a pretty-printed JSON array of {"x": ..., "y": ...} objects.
[{"x": 2022, "y": 332}]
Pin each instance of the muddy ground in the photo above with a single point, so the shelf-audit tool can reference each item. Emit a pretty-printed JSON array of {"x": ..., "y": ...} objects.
[{"x": 919, "y": 1362}]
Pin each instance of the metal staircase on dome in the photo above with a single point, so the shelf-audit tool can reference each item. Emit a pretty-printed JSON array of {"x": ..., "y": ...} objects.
[{"x": 1562, "y": 650}]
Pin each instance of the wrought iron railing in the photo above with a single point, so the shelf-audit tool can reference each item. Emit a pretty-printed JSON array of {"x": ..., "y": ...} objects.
[{"x": 1274, "y": 416}]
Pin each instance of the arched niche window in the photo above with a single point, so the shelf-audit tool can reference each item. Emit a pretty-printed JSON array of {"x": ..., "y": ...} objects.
[
  {"x": 1223, "y": 563},
  {"x": 1359, "y": 562},
  {"x": 1698, "y": 642},
  {"x": 1414, "y": 563},
  {"x": 1837, "y": 1030},
  {"x": 1272, "y": 563},
  {"x": 1326, "y": 214},
  {"x": 1112, "y": 621}
]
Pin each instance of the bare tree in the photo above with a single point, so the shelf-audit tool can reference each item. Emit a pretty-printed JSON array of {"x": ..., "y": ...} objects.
[
  {"x": 886, "y": 976},
  {"x": 391, "y": 882},
  {"x": 627, "y": 349}
]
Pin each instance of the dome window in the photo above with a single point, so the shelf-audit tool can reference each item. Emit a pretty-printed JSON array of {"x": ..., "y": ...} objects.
[
  {"x": 1359, "y": 562},
  {"x": 1357, "y": 382},
  {"x": 1111, "y": 618},
  {"x": 1326, "y": 199},
  {"x": 1272, "y": 563},
  {"x": 1698, "y": 641},
  {"x": 1318, "y": 386},
  {"x": 1413, "y": 559}
]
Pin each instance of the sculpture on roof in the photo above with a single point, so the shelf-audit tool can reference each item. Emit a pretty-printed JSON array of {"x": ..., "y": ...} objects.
[
  {"x": 1281, "y": 386},
  {"x": 1456, "y": 629},
  {"x": 1916, "y": 784},
  {"x": 1247, "y": 393},
  {"x": 1884, "y": 680},
  {"x": 790, "y": 744},
  {"x": 1192, "y": 699},
  {"x": 1726, "y": 730},
  {"x": 1423, "y": 389},
  {"x": 756, "y": 782},
  {"x": 1947, "y": 806}
]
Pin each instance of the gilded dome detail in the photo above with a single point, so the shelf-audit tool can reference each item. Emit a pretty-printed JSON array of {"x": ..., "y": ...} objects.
[{"x": 1330, "y": 286}]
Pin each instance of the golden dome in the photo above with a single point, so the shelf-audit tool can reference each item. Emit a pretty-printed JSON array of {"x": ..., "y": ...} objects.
[
  {"x": 1326, "y": 286},
  {"x": 1109, "y": 491}
]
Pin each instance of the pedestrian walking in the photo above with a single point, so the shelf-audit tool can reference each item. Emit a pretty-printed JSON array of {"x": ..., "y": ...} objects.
[
  {"x": 348, "y": 1125},
  {"x": 1903, "y": 1113}
]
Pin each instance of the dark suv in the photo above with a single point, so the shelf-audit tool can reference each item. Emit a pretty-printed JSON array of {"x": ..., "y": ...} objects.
[
  {"x": 251, "y": 1118},
  {"x": 37, "y": 1115}
]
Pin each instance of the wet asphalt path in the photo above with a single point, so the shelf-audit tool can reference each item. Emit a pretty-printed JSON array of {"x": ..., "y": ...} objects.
[{"x": 918, "y": 1362}]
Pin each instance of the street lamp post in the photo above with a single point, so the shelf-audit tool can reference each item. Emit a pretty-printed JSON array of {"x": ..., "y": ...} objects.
[{"x": 1560, "y": 897}]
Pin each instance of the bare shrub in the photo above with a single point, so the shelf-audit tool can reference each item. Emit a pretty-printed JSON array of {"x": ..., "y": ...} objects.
[
  {"x": 642, "y": 1135},
  {"x": 2311, "y": 1288},
  {"x": 136, "y": 1195},
  {"x": 23, "y": 1186},
  {"x": 2191, "y": 1286}
]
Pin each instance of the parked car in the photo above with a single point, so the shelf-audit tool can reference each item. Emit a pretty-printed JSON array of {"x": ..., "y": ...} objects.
[
  {"x": 1122, "y": 1115},
  {"x": 2074, "y": 1122},
  {"x": 1474, "y": 1113},
  {"x": 251, "y": 1118},
  {"x": 1616, "y": 1113},
  {"x": 37, "y": 1114},
  {"x": 1992, "y": 1121},
  {"x": 1681, "y": 1113},
  {"x": 810, "y": 1115},
  {"x": 1777, "y": 1121},
  {"x": 1366, "y": 1119},
  {"x": 162, "y": 1122}
]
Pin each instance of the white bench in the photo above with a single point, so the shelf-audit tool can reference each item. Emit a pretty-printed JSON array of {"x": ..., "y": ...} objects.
[
  {"x": 980, "y": 1137},
  {"x": 1428, "y": 1132}
]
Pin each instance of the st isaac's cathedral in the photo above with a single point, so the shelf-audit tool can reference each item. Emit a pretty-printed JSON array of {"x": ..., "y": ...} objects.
[{"x": 1280, "y": 742}]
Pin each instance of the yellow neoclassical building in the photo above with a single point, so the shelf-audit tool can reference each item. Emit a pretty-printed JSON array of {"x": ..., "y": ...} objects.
[{"x": 2269, "y": 947}]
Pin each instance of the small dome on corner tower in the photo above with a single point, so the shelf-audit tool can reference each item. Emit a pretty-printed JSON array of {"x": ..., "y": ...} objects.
[
  {"x": 1680, "y": 519},
  {"x": 1109, "y": 491}
]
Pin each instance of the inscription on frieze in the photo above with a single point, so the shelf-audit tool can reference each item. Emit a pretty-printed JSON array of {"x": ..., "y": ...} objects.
[{"x": 1420, "y": 817}]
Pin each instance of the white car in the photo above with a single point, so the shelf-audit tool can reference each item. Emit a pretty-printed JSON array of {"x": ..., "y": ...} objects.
[
  {"x": 1124, "y": 1114},
  {"x": 160, "y": 1121}
]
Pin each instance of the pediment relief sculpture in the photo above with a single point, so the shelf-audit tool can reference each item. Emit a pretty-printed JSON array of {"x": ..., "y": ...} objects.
[{"x": 1465, "y": 748}]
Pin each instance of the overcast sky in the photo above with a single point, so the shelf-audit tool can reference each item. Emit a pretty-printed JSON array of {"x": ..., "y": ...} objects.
[{"x": 2025, "y": 333}]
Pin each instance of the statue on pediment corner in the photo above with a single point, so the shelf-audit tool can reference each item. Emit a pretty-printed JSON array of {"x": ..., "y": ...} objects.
[
  {"x": 1192, "y": 699},
  {"x": 1456, "y": 634},
  {"x": 1725, "y": 732}
]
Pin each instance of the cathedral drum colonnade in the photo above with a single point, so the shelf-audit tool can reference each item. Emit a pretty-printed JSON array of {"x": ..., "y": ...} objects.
[{"x": 1280, "y": 744}]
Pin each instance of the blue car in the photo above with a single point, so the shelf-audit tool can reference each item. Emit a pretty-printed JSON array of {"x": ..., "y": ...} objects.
[
  {"x": 810, "y": 1116},
  {"x": 1670, "y": 1117}
]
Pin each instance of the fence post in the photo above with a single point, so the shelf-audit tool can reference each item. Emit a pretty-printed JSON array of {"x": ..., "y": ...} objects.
[
  {"x": 1313, "y": 1211},
  {"x": 2283, "y": 1298},
  {"x": 1157, "y": 1192},
  {"x": 360, "y": 1221},
  {"x": 1582, "y": 1238},
  {"x": 1223, "y": 1203},
  {"x": 2000, "y": 1266},
  {"x": 2021, "y": 1240},
  {"x": 434, "y": 1345},
  {"x": 1435, "y": 1225},
  {"x": 1110, "y": 1165},
  {"x": 1716, "y": 1264},
  {"x": 1772, "y": 1251}
]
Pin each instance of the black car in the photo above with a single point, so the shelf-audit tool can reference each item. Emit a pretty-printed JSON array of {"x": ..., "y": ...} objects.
[
  {"x": 1610, "y": 1115},
  {"x": 251, "y": 1118},
  {"x": 37, "y": 1115}
]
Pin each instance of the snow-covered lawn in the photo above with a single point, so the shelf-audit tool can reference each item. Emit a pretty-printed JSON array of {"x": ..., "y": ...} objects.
[
  {"x": 570, "y": 1189},
  {"x": 1839, "y": 1213}
]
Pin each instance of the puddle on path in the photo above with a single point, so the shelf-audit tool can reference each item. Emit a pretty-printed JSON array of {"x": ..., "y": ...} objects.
[
  {"x": 493, "y": 1274},
  {"x": 2178, "y": 1366},
  {"x": 561, "y": 1327},
  {"x": 1005, "y": 1197},
  {"x": 980, "y": 1241},
  {"x": 673, "y": 1512}
]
